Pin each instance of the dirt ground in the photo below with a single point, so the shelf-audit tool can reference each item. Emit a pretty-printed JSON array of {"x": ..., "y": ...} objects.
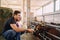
[{"x": 28, "y": 36}]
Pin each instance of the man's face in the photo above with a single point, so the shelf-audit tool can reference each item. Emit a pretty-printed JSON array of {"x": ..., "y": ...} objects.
[{"x": 18, "y": 17}]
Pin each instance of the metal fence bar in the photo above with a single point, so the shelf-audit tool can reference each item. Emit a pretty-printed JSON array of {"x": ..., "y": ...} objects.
[{"x": 53, "y": 35}]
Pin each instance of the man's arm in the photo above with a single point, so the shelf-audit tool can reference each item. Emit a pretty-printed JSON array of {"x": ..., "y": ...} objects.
[{"x": 17, "y": 29}]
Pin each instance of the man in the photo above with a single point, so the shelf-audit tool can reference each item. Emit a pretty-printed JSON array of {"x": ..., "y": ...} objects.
[{"x": 11, "y": 29}]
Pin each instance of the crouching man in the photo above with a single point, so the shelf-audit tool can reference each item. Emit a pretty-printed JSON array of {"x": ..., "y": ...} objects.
[{"x": 11, "y": 29}]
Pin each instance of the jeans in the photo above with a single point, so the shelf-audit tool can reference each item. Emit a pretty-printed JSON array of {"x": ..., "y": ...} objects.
[{"x": 11, "y": 35}]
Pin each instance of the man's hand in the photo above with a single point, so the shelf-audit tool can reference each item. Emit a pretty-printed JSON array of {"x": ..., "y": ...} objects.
[{"x": 30, "y": 30}]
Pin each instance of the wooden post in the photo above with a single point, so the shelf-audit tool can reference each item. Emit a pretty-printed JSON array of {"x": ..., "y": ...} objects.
[{"x": 28, "y": 12}]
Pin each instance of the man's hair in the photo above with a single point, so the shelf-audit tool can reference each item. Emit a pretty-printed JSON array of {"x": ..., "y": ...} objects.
[{"x": 16, "y": 12}]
